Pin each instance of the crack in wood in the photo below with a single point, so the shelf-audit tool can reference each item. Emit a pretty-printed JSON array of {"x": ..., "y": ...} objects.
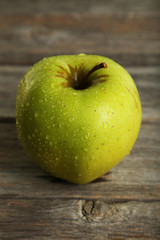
[
  {"x": 92, "y": 211},
  {"x": 87, "y": 210}
]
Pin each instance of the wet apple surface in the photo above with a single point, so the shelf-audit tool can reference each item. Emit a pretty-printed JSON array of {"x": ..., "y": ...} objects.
[{"x": 78, "y": 116}]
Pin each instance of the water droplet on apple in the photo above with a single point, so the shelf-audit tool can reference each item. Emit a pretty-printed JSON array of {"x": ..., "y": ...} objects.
[
  {"x": 57, "y": 158},
  {"x": 85, "y": 149},
  {"x": 70, "y": 120},
  {"x": 53, "y": 125},
  {"x": 79, "y": 174},
  {"x": 76, "y": 157},
  {"x": 87, "y": 136},
  {"x": 47, "y": 137},
  {"x": 27, "y": 104},
  {"x": 60, "y": 125},
  {"x": 36, "y": 114}
]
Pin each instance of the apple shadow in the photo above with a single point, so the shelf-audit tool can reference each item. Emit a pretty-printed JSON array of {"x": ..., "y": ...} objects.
[
  {"x": 52, "y": 179},
  {"x": 105, "y": 178}
]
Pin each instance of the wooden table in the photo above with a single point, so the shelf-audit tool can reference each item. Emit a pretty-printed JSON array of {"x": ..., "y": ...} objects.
[{"x": 123, "y": 204}]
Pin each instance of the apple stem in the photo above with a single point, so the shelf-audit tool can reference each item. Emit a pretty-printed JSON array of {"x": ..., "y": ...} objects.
[{"x": 95, "y": 68}]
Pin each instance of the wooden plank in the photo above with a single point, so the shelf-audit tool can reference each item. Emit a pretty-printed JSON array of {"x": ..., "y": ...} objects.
[
  {"x": 78, "y": 219},
  {"x": 120, "y": 7},
  {"x": 31, "y": 43},
  {"x": 135, "y": 178},
  {"x": 146, "y": 79},
  {"x": 128, "y": 34}
]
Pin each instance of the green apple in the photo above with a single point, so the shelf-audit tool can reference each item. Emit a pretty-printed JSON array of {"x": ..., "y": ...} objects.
[{"x": 78, "y": 115}]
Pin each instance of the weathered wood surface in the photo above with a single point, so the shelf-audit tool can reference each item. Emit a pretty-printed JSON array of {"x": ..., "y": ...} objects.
[
  {"x": 127, "y": 31},
  {"x": 57, "y": 219},
  {"x": 123, "y": 204}
]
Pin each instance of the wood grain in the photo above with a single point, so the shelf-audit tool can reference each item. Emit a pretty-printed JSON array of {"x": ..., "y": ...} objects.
[
  {"x": 121, "y": 7},
  {"x": 129, "y": 34},
  {"x": 41, "y": 219}
]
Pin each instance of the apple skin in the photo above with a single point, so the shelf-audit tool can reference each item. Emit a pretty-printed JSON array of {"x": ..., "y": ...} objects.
[{"x": 77, "y": 135}]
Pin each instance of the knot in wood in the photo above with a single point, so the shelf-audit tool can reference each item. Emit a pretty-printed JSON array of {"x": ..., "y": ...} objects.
[{"x": 92, "y": 211}]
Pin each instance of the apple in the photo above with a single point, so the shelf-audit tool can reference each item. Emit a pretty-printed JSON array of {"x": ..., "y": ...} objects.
[{"x": 77, "y": 116}]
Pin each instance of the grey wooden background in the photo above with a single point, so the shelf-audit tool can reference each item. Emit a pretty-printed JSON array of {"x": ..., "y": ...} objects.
[{"x": 123, "y": 204}]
